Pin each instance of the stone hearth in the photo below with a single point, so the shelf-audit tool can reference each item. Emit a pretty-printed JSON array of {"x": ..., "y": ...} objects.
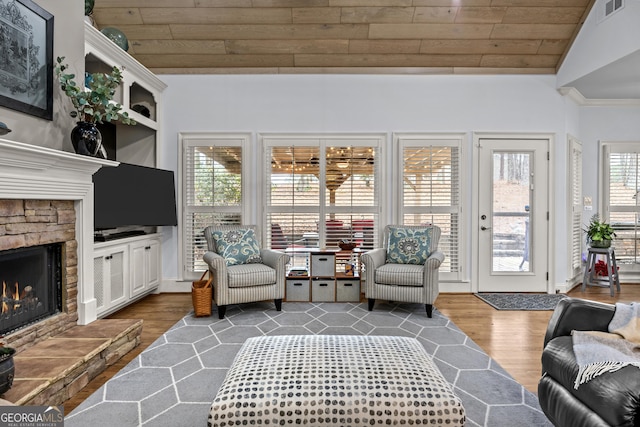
[{"x": 54, "y": 370}]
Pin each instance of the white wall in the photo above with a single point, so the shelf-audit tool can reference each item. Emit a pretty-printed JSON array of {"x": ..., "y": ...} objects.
[
  {"x": 372, "y": 103},
  {"x": 603, "y": 124},
  {"x": 68, "y": 41},
  {"x": 602, "y": 41}
]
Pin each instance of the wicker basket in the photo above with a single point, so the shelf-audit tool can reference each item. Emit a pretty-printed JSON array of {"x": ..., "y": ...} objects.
[{"x": 201, "y": 294}]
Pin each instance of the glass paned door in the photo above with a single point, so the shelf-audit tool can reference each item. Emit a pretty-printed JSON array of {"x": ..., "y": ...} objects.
[{"x": 512, "y": 222}]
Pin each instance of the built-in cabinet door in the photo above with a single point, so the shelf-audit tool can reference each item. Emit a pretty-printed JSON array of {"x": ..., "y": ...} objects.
[
  {"x": 144, "y": 266},
  {"x": 111, "y": 282},
  {"x": 153, "y": 271}
]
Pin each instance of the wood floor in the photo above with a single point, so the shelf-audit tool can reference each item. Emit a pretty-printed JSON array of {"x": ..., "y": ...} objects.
[{"x": 512, "y": 338}]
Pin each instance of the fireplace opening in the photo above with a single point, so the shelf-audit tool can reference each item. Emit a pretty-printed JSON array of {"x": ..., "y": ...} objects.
[{"x": 31, "y": 283}]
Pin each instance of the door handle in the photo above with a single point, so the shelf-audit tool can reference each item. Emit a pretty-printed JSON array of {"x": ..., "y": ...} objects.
[{"x": 483, "y": 228}]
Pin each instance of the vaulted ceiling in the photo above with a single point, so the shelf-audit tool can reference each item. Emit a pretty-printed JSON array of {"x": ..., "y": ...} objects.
[{"x": 349, "y": 36}]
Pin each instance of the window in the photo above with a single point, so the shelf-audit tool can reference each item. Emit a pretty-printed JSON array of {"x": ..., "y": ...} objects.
[
  {"x": 430, "y": 191},
  {"x": 321, "y": 190},
  {"x": 621, "y": 185},
  {"x": 576, "y": 235},
  {"x": 212, "y": 180}
]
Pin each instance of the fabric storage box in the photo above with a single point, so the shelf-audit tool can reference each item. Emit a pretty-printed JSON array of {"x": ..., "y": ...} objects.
[
  {"x": 323, "y": 264},
  {"x": 323, "y": 290},
  {"x": 298, "y": 290},
  {"x": 348, "y": 290}
]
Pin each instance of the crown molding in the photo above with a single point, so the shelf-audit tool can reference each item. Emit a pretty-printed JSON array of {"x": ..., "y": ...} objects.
[{"x": 577, "y": 97}]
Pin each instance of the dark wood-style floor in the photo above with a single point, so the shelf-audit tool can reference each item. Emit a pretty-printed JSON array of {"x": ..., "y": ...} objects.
[{"x": 513, "y": 338}]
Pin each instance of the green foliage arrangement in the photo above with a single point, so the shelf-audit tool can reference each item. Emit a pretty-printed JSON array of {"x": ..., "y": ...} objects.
[
  {"x": 598, "y": 231},
  {"x": 93, "y": 104},
  {"x": 5, "y": 352}
]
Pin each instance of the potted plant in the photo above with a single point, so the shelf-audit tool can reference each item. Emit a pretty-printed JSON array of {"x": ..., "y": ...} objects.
[
  {"x": 7, "y": 367},
  {"x": 599, "y": 233},
  {"x": 93, "y": 103}
]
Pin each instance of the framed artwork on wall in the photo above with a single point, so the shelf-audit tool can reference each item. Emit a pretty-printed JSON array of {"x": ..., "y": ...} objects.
[{"x": 26, "y": 58}]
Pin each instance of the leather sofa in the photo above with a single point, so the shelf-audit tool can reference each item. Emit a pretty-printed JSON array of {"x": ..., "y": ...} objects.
[{"x": 612, "y": 399}]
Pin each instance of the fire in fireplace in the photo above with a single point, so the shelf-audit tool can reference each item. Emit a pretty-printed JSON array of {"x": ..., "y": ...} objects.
[{"x": 31, "y": 281}]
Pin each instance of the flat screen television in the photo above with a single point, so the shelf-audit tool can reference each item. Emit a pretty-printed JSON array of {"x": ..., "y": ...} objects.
[{"x": 132, "y": 195}]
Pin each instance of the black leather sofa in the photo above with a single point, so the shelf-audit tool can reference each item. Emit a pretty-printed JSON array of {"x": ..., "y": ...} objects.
[{"x": 612, "y": 399}]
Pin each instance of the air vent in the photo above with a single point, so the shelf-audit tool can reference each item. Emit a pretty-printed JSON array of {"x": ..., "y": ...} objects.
[{"x": 611, "y": 6}]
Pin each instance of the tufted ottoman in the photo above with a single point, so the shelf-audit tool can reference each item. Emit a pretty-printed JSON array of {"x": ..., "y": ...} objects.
[{"x": 334, "y": 380}]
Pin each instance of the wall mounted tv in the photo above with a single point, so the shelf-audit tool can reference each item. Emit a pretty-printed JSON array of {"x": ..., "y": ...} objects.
[{"x": 131, "y": 195}]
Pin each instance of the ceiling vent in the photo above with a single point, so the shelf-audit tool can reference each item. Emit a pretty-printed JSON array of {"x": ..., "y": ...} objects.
[{"x": 611, "y": 6}]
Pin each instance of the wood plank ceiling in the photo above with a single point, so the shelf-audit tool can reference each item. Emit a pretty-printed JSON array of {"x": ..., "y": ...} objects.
[{"x": 346, "y": 36}]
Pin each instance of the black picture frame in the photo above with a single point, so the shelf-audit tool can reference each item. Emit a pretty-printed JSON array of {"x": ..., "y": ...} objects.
[{"x": 26, "y": 58}]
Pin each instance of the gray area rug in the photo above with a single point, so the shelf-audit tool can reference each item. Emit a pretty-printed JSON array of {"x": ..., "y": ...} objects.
[
  {"x": 173, "y": 382},
  {"x": 521, "y": 301}
]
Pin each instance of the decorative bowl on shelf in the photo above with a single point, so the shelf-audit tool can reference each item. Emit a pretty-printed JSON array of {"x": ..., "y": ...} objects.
[{"x": 347, "y": 246}]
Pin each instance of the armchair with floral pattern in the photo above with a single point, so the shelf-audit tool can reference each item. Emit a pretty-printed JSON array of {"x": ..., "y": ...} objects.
[{"x": 406, "y": 268}]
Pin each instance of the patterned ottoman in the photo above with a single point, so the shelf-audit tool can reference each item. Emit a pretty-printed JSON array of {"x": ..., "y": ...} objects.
[{"x": 334, "y": 380}]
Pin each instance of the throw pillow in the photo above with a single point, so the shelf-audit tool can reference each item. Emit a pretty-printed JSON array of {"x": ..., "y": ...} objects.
[
  {"x": 237, "y": 246},
  {"x": 409, "y": 246}
]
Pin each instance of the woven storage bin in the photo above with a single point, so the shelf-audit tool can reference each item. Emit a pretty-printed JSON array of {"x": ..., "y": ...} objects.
[{"x": 201, "y": 293}]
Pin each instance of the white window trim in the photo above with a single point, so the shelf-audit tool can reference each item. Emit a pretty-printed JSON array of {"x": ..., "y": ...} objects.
[
  {"x": 213, "y": 138},
  {"x": 400, "y": 140}
]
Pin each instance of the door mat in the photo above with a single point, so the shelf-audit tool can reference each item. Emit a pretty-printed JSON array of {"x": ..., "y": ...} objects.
[{"x": 520, "y": 301}]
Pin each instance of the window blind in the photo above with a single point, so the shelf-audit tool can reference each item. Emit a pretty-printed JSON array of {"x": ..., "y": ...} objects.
[
  {"x": 320, "y": 191},
  {"x": 212, "y": 189},
  {"x": 430, "y": 193},
  {"x": 621, "y": 198},
  {"x": 577, "y": 236}
]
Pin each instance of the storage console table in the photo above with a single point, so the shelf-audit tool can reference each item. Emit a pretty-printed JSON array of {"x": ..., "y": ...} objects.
[{"x": 329, "y": 276}]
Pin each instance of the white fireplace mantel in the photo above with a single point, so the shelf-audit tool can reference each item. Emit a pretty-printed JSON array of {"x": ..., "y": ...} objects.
[{"x": 40, "y": 173}]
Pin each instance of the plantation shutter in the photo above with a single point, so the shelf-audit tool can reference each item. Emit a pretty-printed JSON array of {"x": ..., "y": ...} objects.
[
  {"x": 577, "y": 236},
  {"x": 212, "y": 189},
  {"x": 321, "y": 190},
  {"x": 351, "y": 196},
  {"x": 622, "y": 184},
  {"x": 292, "y": 187},
  {"x": 430, "y": 193}
]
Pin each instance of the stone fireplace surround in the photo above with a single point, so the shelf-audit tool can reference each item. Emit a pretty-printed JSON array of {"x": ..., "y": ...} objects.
[
  {"x": 46, "y": 196},
  {"x": 30, "y": 223}
]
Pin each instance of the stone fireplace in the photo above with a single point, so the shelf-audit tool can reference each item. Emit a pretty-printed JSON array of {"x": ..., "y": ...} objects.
[
  {"x": 31, "y": 280},
  {"x": 46, "y": 200}
]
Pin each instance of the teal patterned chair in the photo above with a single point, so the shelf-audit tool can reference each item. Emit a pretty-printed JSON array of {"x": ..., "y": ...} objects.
[
  {"x": 242, "y": 271},
  {"x": 405, "y": 269}
]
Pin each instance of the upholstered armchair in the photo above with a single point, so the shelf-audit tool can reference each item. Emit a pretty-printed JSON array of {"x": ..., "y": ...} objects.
[
  {"x": 405, "y": 269},
  {"x": 242, "y": 271}
]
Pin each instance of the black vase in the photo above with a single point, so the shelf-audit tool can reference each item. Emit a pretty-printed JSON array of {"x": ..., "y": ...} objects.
[
  {"x": 7, "y": 372},
  {"x": 87, "y": 140}
]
